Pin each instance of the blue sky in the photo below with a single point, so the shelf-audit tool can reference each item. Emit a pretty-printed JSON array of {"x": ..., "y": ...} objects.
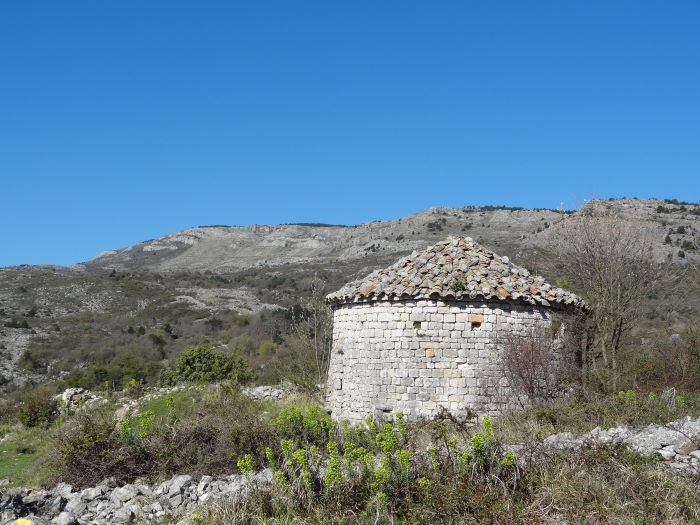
[{"x": 123, "y": 121}]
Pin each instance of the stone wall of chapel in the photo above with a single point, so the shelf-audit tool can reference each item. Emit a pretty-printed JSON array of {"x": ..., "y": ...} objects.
[{"x": 417, "y": 356}]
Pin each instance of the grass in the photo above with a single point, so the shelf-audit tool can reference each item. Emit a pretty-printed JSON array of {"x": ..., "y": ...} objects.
[
  {"x": 579, "y": 414},
  {"x": 22, "y": 455},
  {"x": 596, "y": 486},
  {"x": 179, "y": 404}
]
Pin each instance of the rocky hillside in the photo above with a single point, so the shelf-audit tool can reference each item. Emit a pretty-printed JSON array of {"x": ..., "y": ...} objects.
[
  {"x": 508, "y": 230},
  {"x": 230, "y": 248},
  {"x": 153, "y": 298}
]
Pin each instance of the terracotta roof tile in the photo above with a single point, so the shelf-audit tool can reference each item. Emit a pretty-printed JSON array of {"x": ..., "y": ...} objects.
[{"x": 456, "y": 269}]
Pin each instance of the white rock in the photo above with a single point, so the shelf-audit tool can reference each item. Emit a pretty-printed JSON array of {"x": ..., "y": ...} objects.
[{"x": 667, "y": 452}]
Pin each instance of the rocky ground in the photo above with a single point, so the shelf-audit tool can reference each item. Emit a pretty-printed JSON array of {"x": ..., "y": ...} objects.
[
  {"x": 677, "y": 443},
  {"x": 109, "y": 503}
]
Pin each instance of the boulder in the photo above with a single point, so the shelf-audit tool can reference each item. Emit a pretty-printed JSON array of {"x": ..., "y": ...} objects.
[
  {"x": 65, "y": 518},
  {"x": 125, "y": 493},
  {"x": 178, "y": 484}
]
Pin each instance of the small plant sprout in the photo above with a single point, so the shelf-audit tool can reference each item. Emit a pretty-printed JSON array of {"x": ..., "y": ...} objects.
[
  {"x": 458, "y": 286},
  {"x": 386, "y": 439},
  {"x": 434, "y": 457},
  {"x": 270, "y": 456},
  {"x": 401, "y": 426},
  {"x": 333, "y": 477},
  {"x": 145, "y": 420},
  {"x": 126, "y": 426},
  {"x": 508, "y": 459},
  {"x": 371, "y": 426},
  {"x": 302, "y": 460},
  {"x": 280, "y": 479},
  {"x": 423, "y": 484},
  {"x": 383, "y": 500},
  {"x": 245, "y": 465},
  {"x": 488, "y": 429},
  {"x": 452, "y": 445},
  {"x": 287, "y": 446},
  {"x": 477, "y": 442},
  {"x": 383, "y": 472},
  {"x": 170, "y": 403},
  {"x": 404, "y": 458},
  {"x": 349, "y": 455},
  {"x": 465, "y": 459}
]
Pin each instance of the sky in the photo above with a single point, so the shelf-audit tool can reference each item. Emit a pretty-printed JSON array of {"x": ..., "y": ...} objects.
[{"x": 125, "y": 121}]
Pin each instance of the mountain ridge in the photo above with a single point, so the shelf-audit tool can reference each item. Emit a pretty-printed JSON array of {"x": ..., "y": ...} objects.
[{"x": 228, "y": 248}]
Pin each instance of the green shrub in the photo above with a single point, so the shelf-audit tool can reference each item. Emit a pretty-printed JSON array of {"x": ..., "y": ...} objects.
[
  {"x": 305, "y": 427},
  {"x": 267, "y": 348},
  {"x": 164, "y": 439},
  {"x": 458, "y": 286},
  {"x": 390, "y": 479},
  {"x": 17, "y": 323},
  {"x": 201, "y": 364},
  {"x": 37, "y": 407}
]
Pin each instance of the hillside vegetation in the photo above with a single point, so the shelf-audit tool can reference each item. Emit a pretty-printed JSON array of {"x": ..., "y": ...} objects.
[{"x": 127, "y": 314}]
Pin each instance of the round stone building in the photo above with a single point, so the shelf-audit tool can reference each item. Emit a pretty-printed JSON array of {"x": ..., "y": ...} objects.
[{"x": 424, "y": 334}]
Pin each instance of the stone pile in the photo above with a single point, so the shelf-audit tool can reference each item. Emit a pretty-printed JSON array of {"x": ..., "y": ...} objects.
[
  {"x": 73, "y": 399},
  {"x": 164, "y": 391},
  {"x": 107, "y": 503},
  {"x": 269, "y": 393},
  {"x": 677, "y": 443}
]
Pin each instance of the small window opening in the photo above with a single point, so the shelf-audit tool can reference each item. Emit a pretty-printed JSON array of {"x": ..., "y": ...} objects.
[
  {"x": 476, "y": 326},
  {"x": 416, "y": 324}
]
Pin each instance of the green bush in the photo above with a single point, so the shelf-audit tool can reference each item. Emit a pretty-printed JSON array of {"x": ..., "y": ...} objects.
[
  {"x": 311, "y": 426},
  {"x": 389, "y": 479},
  {"x": 201, "y": 364},
  {"x": 37, "y": 407},
  {"x": 15, "y": 323},
  {"x": 162, "y": 441}
]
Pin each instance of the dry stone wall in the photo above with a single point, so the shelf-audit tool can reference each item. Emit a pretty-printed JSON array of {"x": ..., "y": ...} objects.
[{"x": 417, "y": 356}]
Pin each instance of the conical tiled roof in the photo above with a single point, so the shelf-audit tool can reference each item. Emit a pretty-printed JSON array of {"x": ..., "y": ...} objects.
[{"x": 456, "y": 269}]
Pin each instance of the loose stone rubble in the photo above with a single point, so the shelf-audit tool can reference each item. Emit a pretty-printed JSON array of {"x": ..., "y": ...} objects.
[
  {"x": 677, "y": 443},
  {"x": 427, "y": 333},
  {"x": 107, "y": 503},
  {"x": 73, "y": 399},
  {"x": 270, "y": 393}
]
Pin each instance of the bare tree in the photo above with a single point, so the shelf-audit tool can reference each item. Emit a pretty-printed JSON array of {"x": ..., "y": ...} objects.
[
  {"x": 312, "y": 329},
  {"x": 532, "y": 364},
  {"x": 610, "y": 260}
]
